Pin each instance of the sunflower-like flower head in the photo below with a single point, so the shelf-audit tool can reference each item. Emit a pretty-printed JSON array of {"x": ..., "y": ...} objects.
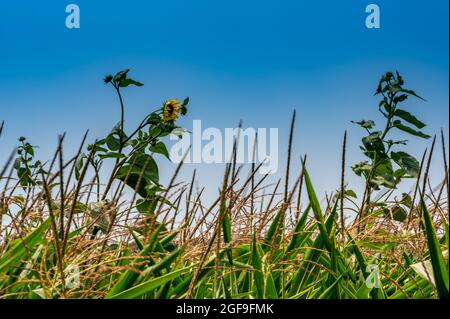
[{"x": 172, "y": 109}]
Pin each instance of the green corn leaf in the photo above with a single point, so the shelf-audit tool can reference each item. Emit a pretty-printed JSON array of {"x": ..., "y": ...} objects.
[
  {"x": 274, "y": 227},
  {"x": 129, "y": 277},
  {"x": 226, "y": 228},
  {"x": 440, "y": 269},
  {"x": 257, "y": 265},
  {"x": 270, "y": 289},
  {"x": 297, "y": 235},
  {"x": 310, "y": 258},
  {"x": 330, "y": 290},
  {"x": 316, "y": 209},
  {"x": 376, "y": 293},
  {"x": 20, "y": 248},
  {"x": 149, "y": 285}
]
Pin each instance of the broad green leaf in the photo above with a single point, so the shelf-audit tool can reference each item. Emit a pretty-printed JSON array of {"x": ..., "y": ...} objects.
[
  {"x": 408, "y": 117},
  {"x": 398, "y": 124},
  {"x": 408, "y": 163},
  {"x": 160, "y": 148},
  {"x": 121, "y": 75},
  {"x": 127, "y": 82},
  {"x": 139, "y": 173},
  {"x": 411, "y": 92},
  {"x": 112, "y": 142}
]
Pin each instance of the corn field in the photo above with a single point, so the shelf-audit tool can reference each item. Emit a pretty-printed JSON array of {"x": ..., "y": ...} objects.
[{"x": 66, "y": 234}]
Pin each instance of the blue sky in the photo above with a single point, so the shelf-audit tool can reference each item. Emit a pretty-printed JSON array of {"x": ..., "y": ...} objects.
[{"x": 249, "y": 60}]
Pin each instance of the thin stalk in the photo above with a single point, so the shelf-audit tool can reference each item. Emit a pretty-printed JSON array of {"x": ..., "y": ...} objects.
[{"x": 342, "y": 186}]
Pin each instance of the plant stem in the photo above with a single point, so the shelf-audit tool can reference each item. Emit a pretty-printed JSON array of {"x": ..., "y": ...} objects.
[{"x": 122, "y": 116}]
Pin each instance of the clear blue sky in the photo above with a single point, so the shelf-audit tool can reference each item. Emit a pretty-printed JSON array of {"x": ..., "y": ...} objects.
[{"x": 250, "y": 60}]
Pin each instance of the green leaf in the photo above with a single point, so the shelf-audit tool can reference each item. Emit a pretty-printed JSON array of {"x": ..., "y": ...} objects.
[
  {"x": 112, "y": 155},
  {"x": 138, "y": 242},
  {"x": 383, "y": 180},
  {"x": 350, "y": 193},
  {"x": 299, "y": 227},
  {"x": 408, "y": 117},
  {"x": 375, "y": 293},
  {"x": 139, "y": 165},
  {"x": 316, "y": 209},
  {"x": 374, "y": 144},
  {"x": 368, "y": 124},
  {"x": 328, "y": 291},
  {"x": 398, "y": 213},
  {"x": 384, "y": 103},
  {"x": 128, "y": 278},
  {"x": 398, "y": 124},
  {"x": 270, "y": 289},
  {"x": 257, "y": 265},
  {"x": 147, "y": 206},
  {"x": 440, "y": 269},
  {"x": 407, "y": 162},
  {"x": 112, "y": 142},
  {"x": 127, "y": 82},
  {"x": 149, "y": 285},
  {"x": 154, "y": 119},
  {"x": 362, "y": 167},
  {"x": 164, "y": 263},
  {"x": 400, "y": 98},
  {"x": 121, "y": 75},
  {"x": 21, "y": 247},
  {"x": 411, "y": 92},
  {"x": 79, "y": 165},
  {"x": 406, "y": 200},
  {"x": 383, "y": 174},
  {"x": 311, "y": 257},
  {"x": 29, "y": 149},
  {"x": 97, "y": 148},
  {"x": 160, "y": 148},
  {"x": 272, "y": 235},
  {"x": 226, "y": 228},
  {"x": 154, "y": 131}
]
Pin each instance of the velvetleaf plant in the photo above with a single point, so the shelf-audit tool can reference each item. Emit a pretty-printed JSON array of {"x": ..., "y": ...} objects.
[{"x": 387, "y": 166}]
